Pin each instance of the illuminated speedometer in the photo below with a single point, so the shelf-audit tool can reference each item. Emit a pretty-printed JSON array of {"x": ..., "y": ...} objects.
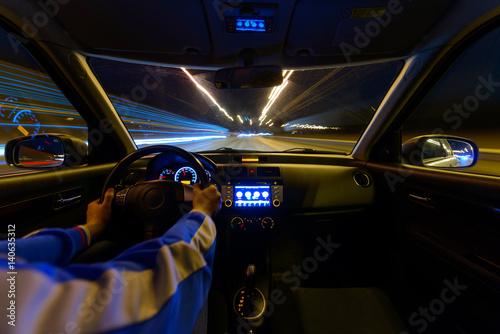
[
  {"x": 186, "y": 175},
  {"x": 167, "y": 174}
]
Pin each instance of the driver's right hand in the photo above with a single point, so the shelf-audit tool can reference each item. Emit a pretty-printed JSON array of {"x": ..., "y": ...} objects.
[{"x": 208, "y": 200}]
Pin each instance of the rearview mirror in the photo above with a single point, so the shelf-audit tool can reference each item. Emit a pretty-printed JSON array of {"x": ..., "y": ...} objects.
[
  {"x": 248, "y": 77},
  {"x": 45, "y": 151},
  {"x": 440, "y": 151}
]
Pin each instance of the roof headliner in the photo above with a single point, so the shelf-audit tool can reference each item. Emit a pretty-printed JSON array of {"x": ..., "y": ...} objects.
[{"x": 308, "y": 33}]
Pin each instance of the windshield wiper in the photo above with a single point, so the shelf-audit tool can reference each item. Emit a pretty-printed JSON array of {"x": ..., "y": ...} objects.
[
  {"x": 301, "y": 150},
  {"x": 290, "y": 150},
  {"x": 310, "y": 150},
  {"x": 226, "y": 149}
]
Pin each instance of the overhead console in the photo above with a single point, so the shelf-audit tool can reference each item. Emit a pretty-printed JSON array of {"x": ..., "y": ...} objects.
[
  {"x": 249, "y": 18},
  {"x": 239, "y": 28}
]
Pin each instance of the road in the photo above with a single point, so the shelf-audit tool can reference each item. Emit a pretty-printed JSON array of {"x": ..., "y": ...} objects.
[{"x": 270, "y": 143}]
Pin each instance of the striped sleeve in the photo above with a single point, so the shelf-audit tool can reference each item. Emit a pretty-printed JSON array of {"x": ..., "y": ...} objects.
[
  {"x": 54, "y": 245},
  {"x": 156, "y": 286}
]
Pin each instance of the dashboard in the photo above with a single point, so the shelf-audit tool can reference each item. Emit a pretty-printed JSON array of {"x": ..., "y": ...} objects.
[{"x": 263, "y": 194}]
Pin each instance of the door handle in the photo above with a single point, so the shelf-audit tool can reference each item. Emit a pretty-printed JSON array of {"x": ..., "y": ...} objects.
[
  {"x": 62, "y": 200},
  {"x": 425, "y": 199}
]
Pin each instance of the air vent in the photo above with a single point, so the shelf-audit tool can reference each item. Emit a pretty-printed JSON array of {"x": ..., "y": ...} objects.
[
  {"x": 361, "y": 179},
  {"x": 268, "y": 171},
  {"x": 236, "y": 171}
]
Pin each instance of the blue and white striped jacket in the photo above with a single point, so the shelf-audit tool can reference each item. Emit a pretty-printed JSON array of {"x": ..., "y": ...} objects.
[{"x": 158, "y": 286}]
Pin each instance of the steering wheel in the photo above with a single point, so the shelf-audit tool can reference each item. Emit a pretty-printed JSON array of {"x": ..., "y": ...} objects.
[{"x": 157, "y": 204}]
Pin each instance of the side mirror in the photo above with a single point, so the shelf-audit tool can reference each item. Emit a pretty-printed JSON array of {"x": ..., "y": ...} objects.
[
  {"x": 249, "y": 77},
  {"x": 45, "y": 151},
  {"x": 440, "y": 151}
]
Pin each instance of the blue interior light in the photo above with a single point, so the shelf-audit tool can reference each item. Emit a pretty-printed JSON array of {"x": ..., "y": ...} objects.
[{"x": 244, "y": 24}]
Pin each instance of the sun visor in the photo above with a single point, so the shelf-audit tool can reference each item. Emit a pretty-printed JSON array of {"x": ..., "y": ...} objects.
[
  {"x": 113, "y": 25},
  {"x": 358, "y": 28}
]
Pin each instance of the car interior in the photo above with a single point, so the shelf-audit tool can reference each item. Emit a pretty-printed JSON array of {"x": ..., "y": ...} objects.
[{"x": 364, "y": 199}]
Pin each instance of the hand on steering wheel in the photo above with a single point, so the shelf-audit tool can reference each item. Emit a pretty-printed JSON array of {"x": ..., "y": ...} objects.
[
  {"x": 208, "y": 200},
  {"x": 152, "y": 206}
]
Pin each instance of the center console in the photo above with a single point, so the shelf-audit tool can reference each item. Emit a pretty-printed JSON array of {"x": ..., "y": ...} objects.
[
  {"x": 252, "y": 206},
  {"x": 253, "y": 202}
]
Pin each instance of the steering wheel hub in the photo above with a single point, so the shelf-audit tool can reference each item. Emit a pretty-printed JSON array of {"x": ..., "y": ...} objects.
[
  {"x": 153, "y": 199},
  {"x": 156, "y": 204}
]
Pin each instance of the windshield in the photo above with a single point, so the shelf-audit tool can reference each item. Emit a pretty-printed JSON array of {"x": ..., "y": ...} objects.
[{"x": 325, "y": 110}]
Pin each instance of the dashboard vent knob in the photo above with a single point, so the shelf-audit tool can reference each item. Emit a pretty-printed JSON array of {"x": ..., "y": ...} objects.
[{"x": 362, "y": 179}]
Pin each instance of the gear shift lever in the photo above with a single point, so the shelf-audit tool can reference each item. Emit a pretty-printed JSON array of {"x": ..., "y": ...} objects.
[
  {"x": 251, "y": 278},
  {"x": 249, "y": 302}
]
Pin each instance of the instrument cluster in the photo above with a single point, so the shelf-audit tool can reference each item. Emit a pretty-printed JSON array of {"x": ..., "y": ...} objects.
[
  {"x": 173, "y": 168},
  {"x": 182, "y": 174}
]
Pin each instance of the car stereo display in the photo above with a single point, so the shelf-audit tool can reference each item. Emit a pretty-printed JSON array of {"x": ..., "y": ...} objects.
[{"x": 252, "y": 196}]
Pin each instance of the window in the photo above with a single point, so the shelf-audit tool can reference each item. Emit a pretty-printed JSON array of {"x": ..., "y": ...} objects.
[
  {"x": 325, "y": 110},
  {"x": 466, "y": 103},
  {"x": 30, "y": 102}
]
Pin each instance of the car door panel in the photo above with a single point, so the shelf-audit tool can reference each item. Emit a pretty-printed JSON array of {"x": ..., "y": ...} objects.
[
  {"x": 50, "y": 198},
  {"x": 452, "y": 217}
]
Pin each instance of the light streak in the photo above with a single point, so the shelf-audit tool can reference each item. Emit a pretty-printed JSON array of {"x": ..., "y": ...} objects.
[
  {"x": 45, "y": 126},
  {"x": 174, "y": 140},
  {"x": 154, "y": 117},
  {"x": 42, "y": 97},
  {"x": 206, "y": 93},
  {"x": 239, "y": 117},
  {"x": 254, "y": 134},
  {"x": 274, "y": 95},
  {"x": 311, "y": 126},
  {"x": 33, "y": 85}
]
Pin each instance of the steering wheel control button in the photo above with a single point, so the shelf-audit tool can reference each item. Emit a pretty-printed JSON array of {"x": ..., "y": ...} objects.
[{"x": 120, "y": 197}]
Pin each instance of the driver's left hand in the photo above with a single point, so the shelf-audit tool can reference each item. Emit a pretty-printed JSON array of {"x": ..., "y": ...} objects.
[{"x": 99, "y": 214}]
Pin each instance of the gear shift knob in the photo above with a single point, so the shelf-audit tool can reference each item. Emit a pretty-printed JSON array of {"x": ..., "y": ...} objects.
[
  {"x": 249, "y": 302},
  {"x": 251, "y": 277}
]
